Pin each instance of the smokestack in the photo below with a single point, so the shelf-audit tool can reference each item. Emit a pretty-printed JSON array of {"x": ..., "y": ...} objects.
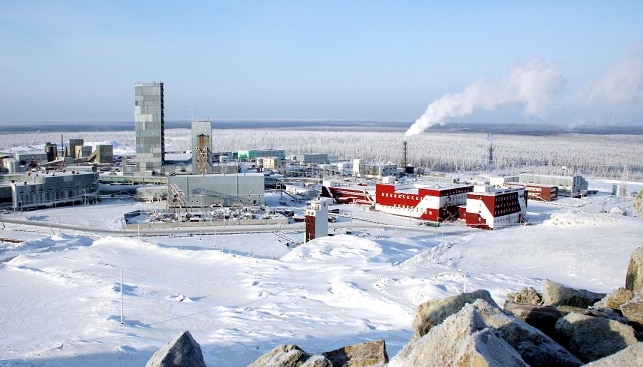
[{"x": 404, "y": 162}]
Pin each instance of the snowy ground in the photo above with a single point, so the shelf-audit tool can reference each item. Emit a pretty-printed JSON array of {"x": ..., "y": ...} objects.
[{"x": 240, "y": 295}]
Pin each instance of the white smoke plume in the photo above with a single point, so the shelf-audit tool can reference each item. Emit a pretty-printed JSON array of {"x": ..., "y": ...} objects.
[
  {"x": 614, "y": 97},
  {"x": 532, "y": 85}
]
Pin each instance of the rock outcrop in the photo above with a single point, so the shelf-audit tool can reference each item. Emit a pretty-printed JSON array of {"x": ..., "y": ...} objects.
[
  {"x": 183, "y": 351},
  {"x": 556, "y": 294},
  {"x": 591, "y": 338}
]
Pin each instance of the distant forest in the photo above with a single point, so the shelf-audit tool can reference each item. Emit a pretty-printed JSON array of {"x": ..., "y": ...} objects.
[{"x": 612, "y": 155}]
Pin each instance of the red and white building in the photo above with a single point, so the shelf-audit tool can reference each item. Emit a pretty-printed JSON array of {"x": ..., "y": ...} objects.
[
  {"x": 432, "y": 203},
  {"x": 490, "y": 208},
  {"x": 354, "y": 194},
  {"x": 316, "y": 220}
]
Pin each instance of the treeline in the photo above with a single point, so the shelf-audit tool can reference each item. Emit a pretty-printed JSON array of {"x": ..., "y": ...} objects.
[{"x": 608, "y": 156}]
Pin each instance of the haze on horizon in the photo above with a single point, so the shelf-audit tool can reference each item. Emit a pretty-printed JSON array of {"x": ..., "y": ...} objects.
[{"x": 578, "y": 62}]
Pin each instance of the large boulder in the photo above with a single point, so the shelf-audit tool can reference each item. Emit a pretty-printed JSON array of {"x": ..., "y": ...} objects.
[
  {"x": 628, "y": 357},
  {"x": 183, "y": 351},
  {"x": 591, "y": 338},
  {"x": 634, "y": 277},
  {"x": 287, "y": 355},
  {"x": 433, "y": 312},
  {"x": 359, "y": 355},
  {"x": 462, "y": 339},
  {"x": 535, "y": 348},
  {"x": 556, "y": 294}
]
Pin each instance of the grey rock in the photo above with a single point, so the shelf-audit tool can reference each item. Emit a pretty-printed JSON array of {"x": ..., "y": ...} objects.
[
  {"x": 556, "y": 294},
  {"x": 615, "y": 299},
  {"x": 462, "y": 339},
  {"x": 591, "y": 338},
  {"x": 183, "y": 351},
  {"x": 633, "y": 312},
  {"x": 286, "y": 355},
  {"x": 628, "y": 357},
  {"x": 359, "y": 355},
  {"x": 637, "y": 207},
  {"x": 535, "y": 348},
  {"x": 543, "y": 318},
  {"x": 634, "y": 277},
  {"x": 433, "y": 312},
  {"x": 525, "y": 296},
  {"x": 317, "y": 361}
]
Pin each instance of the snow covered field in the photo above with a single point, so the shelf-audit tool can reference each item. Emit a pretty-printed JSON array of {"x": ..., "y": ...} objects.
[{"x": 240, "y": 295}]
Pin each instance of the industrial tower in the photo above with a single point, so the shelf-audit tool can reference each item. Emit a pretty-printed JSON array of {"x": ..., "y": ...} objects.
[
  {"x": 201, "y": 147},
  {"x": 149, "y": 118}
]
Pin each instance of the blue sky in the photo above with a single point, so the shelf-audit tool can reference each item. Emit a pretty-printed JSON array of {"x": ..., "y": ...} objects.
[{"x": 353, "y": 60}]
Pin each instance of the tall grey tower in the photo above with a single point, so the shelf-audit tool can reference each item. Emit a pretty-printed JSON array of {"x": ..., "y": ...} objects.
[
  {"x": 201, "y": 147},
  {"x": 150, "y": 127}
]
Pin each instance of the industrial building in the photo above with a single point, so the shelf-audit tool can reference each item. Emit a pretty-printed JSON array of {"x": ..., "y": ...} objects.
[
  {"x": 491, "y": 208},
  {"x": 574, "y": 186},
  {"x": 201, "y": 147},
  {"x": 202, "y": 191},
  {"x": 41, "y": 189},
  {"x": 71, "y": 148},
  {"x": 536, "y": 192},
  {"x": 30, "y": 157},
  {"x": 248, "y": 155},
  {"x": 103, "y": 154},
  {"x": 316, "y": 219},
  {"x": 376, "y": 170},
  {"x": 312, "y": 158},
  {"x": 149, "y": 118},
  {"x": 432, "y": 203}
]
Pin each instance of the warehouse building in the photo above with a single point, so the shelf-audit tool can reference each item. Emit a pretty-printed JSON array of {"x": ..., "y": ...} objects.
[
  {"x": 248, "y": 155},
  {"x": 38, "y": 190},
  {"x": 574, "y": 186}
]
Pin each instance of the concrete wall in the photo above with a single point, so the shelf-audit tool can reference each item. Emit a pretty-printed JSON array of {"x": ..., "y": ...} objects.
[{"x": 218, "y": 190}]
